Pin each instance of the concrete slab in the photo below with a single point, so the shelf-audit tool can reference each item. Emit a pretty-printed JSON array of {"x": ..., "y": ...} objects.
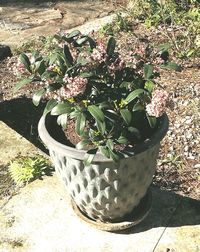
[
  {"x": 183, "y": 231},
  {"x": 13, "y": 144},
  {"x": 40, "y": 218}
]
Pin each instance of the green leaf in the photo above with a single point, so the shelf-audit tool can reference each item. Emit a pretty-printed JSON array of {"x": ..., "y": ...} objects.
[
  {"x": 40, "y": 67},
  {"x": 126, "y": 115},
  {"x": 37, "y": 96},
  {"x": 96, "y": 112},
  {"x": 89, "y": 156},
  {"x": 152, "y": 121},
  {"x": 135, "y": 132},
  {"x": 82, "y": 40},
  {"x": 138, "y": 107},
  {"x": 111, "y": 115},
  {"x": 82, "y": 144},
  {"x": 101, "y": 126},
  {"x": 172, "y": 66},
  {"x": 50, "y": 105},
  {"x": 125, "y": 84},
  {"x": 91, "y": 42},
  {"x": 52, "y": 59},
  {"x": 110, "y": 144},
  {"x": 111, "y": 46},
  {"x": 115, "y": 156},
  {"x": 149, "y": 85},
  {"x": 105, "y": 151},
  {"x": 22, "y": 83},
  {"x": 73, "y": 34},
  {"x": 25, "y": 61},
  {"x": 164, "y": 47},
  {"x": 122, "y": 140},
  {"x": 86, "y": 74},
  {"x": 104, "y": 105},
  {"x": 82, "y": 61},
  {"x": 134, "y": 94},
  {"x": 61, "y": 108},
  {"x": 80, "y": 123},
  {"x": 148, "y": 71},
  {"x": 68, "y": 56},
  {"x": 62, "y": 120}
]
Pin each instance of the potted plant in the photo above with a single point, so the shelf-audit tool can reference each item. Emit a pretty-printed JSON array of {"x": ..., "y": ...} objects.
[{"x": 103, "y": 121}]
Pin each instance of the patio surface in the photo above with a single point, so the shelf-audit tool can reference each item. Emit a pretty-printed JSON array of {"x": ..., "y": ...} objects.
[{"x": 39, "y": 217}]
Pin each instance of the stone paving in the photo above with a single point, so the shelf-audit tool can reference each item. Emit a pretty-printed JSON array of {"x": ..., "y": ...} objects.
[
  {"x": 21, "y": 22},
  {"x": 40, "y": 217}
]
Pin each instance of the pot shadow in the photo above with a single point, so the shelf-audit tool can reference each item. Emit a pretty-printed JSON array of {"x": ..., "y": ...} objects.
[
  {"x": 22, "y": 116},
  {"x": 168, "y": 210}
]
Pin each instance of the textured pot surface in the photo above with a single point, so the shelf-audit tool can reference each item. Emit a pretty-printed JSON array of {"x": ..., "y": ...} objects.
[{"x": 105, "y": 190}]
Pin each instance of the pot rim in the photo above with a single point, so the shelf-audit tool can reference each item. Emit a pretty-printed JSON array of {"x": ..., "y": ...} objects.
[{"x": 72, "y": 152}]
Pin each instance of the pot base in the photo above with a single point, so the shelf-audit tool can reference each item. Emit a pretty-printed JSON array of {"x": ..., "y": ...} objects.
[{"x": 136, "y": 216}]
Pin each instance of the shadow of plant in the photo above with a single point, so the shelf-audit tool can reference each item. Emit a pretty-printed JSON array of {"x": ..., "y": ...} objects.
[{"x": 21, "y": 115}]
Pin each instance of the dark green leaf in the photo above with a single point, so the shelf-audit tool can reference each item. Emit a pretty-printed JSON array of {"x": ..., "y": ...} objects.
[
  {"x": 40, "y": 67},
  {"x": 148, "y": 71},
  {"x": 22, "y": 83},
  {"x": 122, "y": 140},
  {"x": 62, "y": 120},
  {"x": 80, "y": 123},
  {"x": 25, "y": 61},
  {"x": 135, "y": 132},
  {"x": 172, "y": 66},
  {"x": 50, "y": 105},
  {"x": 134, "y": 94},
  {"x": 152, "y": 121},
  {"x": 101, "y": 126},
  {"x": 111, "y": 46},
  {"x": 68, "y": 56},
  {"x": 137, "y": 107},
  {"x": 126, "y": 115},
  {"x": 91, "y": 42},
  {"x": 82, "y": 144},
  {"x": 96, "y": 112},
  {"x": 104, "y": 105},
  {"x": 61, "y": 108},
  {"x": 37, "y": 96}
]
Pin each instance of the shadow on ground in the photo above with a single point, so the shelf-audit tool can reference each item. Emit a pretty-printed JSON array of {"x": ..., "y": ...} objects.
[
  {"x": 22, "y": 116},
  {"x": 168, "y": 210}
]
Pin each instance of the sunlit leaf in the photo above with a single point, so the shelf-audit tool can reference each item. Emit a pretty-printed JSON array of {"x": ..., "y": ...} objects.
[{"x": 37, "y": 96}]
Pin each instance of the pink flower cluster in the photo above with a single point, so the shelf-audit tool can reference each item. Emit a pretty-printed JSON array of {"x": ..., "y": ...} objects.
[
  {"x": 74, "y": 86},
  {"x": 157, "y": 107},
  {"x": 119, "y": 64},
  {"x": 99, "y": 53}
]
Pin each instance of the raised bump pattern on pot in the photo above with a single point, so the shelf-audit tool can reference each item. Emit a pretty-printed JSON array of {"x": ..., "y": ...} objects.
[{"x": 107, "y": 190}]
